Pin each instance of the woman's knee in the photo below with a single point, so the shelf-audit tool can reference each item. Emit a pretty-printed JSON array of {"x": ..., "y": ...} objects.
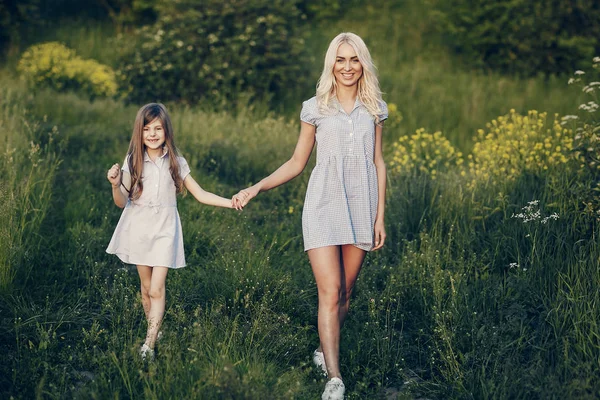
[{"x": 330, "y": 296}]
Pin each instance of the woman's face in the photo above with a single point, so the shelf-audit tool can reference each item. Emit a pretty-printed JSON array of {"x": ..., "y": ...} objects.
[{"x": 347, "y": 68}]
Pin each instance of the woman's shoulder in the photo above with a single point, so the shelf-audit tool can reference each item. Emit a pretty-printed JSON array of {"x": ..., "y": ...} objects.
[{"x": 312, "y": 102}]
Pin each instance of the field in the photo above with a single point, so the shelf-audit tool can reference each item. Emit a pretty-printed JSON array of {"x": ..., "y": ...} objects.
[{"x": 487, "y": 286}]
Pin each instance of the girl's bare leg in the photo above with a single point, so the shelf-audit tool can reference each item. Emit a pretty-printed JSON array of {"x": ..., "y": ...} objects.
[
  {"x": 157, "y": 295},
  {"x": 325, "y": 262},
  {"x": 145, "y": 274}
]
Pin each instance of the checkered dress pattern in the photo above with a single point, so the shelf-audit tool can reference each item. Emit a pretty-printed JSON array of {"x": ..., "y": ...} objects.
[{"x": 340, "y": 206}]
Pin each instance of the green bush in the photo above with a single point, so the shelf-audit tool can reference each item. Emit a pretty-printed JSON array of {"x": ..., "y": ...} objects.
[
  {"x": 215, "y": 49},
  {"x": 520, "y": 36},
  {"x": 15, "y": 15},
  {"x": 55, "y": 65},
  {"x": 326, "y": 9}
]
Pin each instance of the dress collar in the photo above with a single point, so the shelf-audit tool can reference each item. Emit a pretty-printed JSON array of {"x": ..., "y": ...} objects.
[
  {"x": 164, "y": 154},
  {"x": 357, "y": 103}
]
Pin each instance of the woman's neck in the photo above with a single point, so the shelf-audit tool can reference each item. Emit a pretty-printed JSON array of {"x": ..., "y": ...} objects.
[{"x": 346, "y": 94}]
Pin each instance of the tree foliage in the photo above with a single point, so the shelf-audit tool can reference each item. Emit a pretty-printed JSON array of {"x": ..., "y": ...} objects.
[
  {"x": 215, "y": 49},
  {"x": 521, "y": 36}
]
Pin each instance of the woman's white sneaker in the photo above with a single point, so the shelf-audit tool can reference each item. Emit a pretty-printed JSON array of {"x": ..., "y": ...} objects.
[
  {"x": 319, "y": 360},
  {"x": 334, "y": 390}
]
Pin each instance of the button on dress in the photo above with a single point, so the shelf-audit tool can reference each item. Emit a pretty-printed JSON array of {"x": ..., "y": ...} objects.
[
  {"x": 340, "y": 206},
  {"x": 149, "y": 230}
]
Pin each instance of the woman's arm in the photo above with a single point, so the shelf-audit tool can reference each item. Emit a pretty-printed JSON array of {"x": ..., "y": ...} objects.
[
  {"x": 203, "y": 196},
  {"x": 288, "y": 170},
  {"x": 379, "y": 228}
]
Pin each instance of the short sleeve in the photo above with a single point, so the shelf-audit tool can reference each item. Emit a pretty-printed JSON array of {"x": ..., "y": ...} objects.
[
  {"x": 125, "y": 166},
  {"x": 309, "y": 112},
  {"x": 383, "y": 115},
  {"x": 184, "y": 168}
]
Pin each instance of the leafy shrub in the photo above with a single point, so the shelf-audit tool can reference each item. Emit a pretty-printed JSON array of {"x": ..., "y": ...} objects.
[
  {"x": 326, "y": 9},
  {"x": 216, "y": 49},
  {"x": 55, "y": 65},
  {"x": 425, "y": 153},
  {"x": 15, "y": 15},
  {"x": 523, "y": 37},
  {"x": 515, "y": 144}
]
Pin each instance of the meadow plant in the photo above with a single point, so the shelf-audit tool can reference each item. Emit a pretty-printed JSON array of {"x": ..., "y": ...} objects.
[
  {"x": 424, "y": 153},
  {"x": 56, "y": 66},
  {"x": 515, "y": 144},
  {"x": 585, "y": 122},
  {"x": 28, "y": 164}
]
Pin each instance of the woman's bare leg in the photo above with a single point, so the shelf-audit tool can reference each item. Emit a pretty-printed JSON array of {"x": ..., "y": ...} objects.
[
  {"x": 325, "y": 262},
  {"x": 352, "y": 260}
]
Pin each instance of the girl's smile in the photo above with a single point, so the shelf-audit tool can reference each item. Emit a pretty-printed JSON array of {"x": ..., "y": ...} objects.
[{"x": 154, "y": 137}]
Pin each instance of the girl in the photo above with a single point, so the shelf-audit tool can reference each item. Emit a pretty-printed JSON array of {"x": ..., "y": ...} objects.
[
  {"x": 149, "y": 231},
  {"x": 345, "y": 200}
]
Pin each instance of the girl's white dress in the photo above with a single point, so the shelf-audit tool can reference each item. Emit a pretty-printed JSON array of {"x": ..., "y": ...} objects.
[
  {"x": 149, "y": 231},
  {"x": 341, "y": 199}
]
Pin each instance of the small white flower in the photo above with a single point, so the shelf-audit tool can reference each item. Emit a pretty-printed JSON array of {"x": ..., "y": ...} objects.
[
  {"x": 579, "y": 72},
  {"x": 596, "y": 59},
  {"x": 513, "y": 265},
  {"x": 571, "y": 81}
]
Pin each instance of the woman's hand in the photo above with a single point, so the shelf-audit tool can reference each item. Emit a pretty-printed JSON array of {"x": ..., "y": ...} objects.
[
  {"x": 244, "y": 196},
  {"x": 379, "y": 235},
  {"x": 114, "y": 175}
]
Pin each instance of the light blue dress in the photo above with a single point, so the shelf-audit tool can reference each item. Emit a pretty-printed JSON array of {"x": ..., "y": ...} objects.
[
  {"x": 340, "y": 206},
  {"x": 149, "y": 230}
]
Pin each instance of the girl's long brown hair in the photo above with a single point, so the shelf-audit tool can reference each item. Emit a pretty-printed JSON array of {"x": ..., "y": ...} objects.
[{"x": 135, "y": 154}]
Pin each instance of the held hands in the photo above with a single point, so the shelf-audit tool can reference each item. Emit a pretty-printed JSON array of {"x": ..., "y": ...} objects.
[
  {"x": 243, "y": 197},
  {"x": 379, "y": 235},
  {"x": 114, "y": 175}
]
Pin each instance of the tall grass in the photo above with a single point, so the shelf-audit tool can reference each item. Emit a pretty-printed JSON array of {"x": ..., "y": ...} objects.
[{"x": 28, "y": 164}]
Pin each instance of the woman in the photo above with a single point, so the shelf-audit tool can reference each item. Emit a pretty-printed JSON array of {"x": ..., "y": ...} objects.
[{"x": 343, "y": 214}]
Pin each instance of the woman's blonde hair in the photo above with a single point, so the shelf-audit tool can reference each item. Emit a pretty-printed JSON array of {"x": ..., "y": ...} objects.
[{"x": 368, "y": 84}]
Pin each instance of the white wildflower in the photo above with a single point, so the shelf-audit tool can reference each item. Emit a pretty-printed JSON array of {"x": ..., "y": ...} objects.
[{"x": 579, "y": 72}]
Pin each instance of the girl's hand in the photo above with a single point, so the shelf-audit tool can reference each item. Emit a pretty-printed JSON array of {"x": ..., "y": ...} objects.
[
  {"x": 244, "y": 196},
  {"x": 114, "y": 175},
  {"x": 379, "y": 235}
]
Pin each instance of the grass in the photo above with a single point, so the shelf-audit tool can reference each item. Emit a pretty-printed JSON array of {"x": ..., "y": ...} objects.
[{"x": 443, "y": 311}]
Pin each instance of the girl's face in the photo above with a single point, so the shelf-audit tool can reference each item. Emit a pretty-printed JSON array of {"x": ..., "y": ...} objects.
[
  {"x": 154, "y": 135},
  {"x": 347, "y": 69}
]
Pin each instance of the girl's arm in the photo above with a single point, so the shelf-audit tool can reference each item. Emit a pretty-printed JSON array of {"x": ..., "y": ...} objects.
[
  {"x": 379, "y": 229},
  {"x": 288, "y": 170},
  {"x": 119, "y": 180},
  {"x": 205, "y": 197}
]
